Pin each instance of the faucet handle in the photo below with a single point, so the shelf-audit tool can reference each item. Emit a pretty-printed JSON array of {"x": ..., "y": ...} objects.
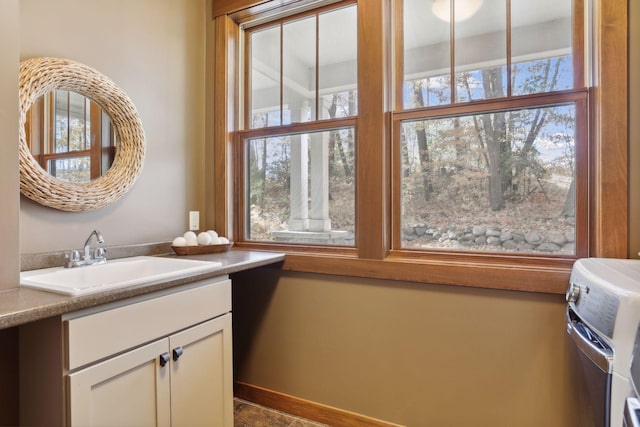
[
  {"x": 72, "y": 255},
  {"x": 100, "y": 253}
]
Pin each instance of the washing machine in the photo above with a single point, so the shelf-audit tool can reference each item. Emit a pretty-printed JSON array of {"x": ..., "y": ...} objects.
[
  {"x": 603, "y": 314},
  {"x": 632, "y": 407}
]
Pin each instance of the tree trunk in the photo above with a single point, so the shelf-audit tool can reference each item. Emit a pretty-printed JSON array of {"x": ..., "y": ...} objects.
[
  {"x": 494, "y": 156},
  {"x": 346, "y": 167},
  {"x": 263, "y": 175},
  {"x": 498, "y": 148},
  {"x": 569, "y": 209},
  {"x": 423, "y": 145}
]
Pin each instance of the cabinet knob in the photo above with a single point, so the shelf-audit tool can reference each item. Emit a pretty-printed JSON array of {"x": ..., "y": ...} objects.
[
  {"x": 164, "y": 358},
  {"x": 177, "y": 352}
]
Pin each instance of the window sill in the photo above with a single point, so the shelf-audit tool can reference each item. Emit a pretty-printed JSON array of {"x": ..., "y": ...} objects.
[{"x": 525, "y": 274}]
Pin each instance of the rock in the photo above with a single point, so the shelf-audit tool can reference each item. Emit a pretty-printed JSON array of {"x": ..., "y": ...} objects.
[
  {"x": 467, "y": 238},
  {"x": 453, "y": 234},
  {"x": 510, "y": 245},
  {"x": 533, "y": 237},
  {"x": 518, "y": 237},
  {"x": 570, "y": 236},
  {"x": 524, "y": 246},
  {"x": 557, "y": 238},
  {"x": 420, "y": 231},
  {"x": 481, "y": 240},
  {"x": 569, "y": 248},
  {"x": 408, "y": 231},
  {"x": 548, "y": 247},
  {"x": 507, "y": 235},
  {"x": 493, "y": 233},
  {"x": 493, "y": 241},
  {"x": 479, "y": 230}
]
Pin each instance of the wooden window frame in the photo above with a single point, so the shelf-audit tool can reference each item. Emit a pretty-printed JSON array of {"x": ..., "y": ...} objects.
[{"x": 373, "y": 256}]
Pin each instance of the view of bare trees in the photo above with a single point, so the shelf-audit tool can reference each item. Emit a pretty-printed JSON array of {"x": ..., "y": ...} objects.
[
  {"x": 508, "y": 171},
  {"x": 503, "y": 170}
]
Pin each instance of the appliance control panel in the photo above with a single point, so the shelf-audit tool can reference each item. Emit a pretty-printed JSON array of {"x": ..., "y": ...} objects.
[
  {"x": 592, "y": 300},
  {"x": 598, "y": 308}
]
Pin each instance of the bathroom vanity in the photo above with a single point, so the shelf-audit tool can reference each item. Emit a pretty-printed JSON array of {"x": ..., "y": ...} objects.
[{"x": 153, "y": 355}]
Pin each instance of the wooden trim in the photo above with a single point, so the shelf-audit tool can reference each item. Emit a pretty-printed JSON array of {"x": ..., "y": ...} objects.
[
  {"x": 251, "y": 7},
  {"x": 508, "y": 49},
  {"x": 582, "y": 178},
  {"x": 517, "y": 274},
  {"x": 372, "y": 145},
  {"x": 247, "y": 114},
  {"x": 578, "y": 44},
  {"x": 396, "y": 186},
  {"x": 223, "y": 7},
  {"x": 210, "y": 127},
  {"x": 610, "y": 226},
  {"x": 538, "y": 100},
  {"x": 68, "y": 155},
  {"x": 95, "y": 144},
  {"x": 305, "y": 408},
  {"x": 398, "y": 54},
  {"x": 452, "y": 53},
  {"x": 281, "y": 26},
  {"x": 225, "y": 98},
  {"x": 606, "y": 160},
  {"x": 300, "y": 127}
]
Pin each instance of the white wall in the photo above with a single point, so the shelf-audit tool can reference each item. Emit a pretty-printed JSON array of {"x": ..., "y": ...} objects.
[{"x": 155, "y": 51}]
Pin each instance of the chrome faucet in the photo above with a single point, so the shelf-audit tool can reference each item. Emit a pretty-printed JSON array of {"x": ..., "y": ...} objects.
[{"x": 98, "y": 256}]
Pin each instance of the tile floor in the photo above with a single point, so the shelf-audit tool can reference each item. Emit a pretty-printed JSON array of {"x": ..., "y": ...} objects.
[{"x": 248, "y": 414}]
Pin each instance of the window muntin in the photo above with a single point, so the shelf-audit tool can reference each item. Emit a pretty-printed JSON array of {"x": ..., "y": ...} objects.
[
  {"x": 301, "y": 188},
  {"x": 299, "y": 143},
  {"x": 480, "y": 50},
  {"x": 427, "y": 56},
  {"x": 540, "y": 274},
  {"x": 491, "y": 182},
  {"x": 493, "y": 178},
  {"x": 491, "y": 49},
  {"x": 265, "y": 78},
  {"x": 337, "y": 63},
  {"x": 297, "y": 68},
  {"x": 541, "y": 47}
]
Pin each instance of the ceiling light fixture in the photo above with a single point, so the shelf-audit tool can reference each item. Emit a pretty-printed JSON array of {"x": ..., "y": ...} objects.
[{"x": 464, "y": 9}]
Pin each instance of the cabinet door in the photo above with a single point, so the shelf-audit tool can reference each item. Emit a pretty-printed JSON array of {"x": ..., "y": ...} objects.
[
  {"x": 201, "y": 378},
  {"x": 126, "y": 390}
]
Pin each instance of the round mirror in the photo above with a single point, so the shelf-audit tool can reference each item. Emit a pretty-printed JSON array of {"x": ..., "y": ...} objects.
[{"x": 58, "y": 170}]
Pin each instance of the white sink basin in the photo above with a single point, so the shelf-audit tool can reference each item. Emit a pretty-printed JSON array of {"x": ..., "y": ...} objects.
[{"x": 112, "y": 275}]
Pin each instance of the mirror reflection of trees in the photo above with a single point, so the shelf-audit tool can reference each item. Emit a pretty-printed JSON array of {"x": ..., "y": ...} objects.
[{"x": 70, "y": 136}]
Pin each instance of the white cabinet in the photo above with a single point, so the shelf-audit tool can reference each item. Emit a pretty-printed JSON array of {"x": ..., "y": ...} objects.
[
  {"x": 163, "y": 360},
  {"x": 130, "y": 389},
  {"x": 139, "y": 388}
]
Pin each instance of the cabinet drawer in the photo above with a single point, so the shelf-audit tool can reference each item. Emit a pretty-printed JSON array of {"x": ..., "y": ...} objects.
[{"x": 99, "y": 335}]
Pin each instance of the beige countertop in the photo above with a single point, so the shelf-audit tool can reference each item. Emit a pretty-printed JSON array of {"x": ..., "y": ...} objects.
[{"x": 23, "y": 305}]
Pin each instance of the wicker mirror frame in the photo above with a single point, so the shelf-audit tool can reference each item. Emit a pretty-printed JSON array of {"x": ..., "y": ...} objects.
[{"x": 42, "y": 75}]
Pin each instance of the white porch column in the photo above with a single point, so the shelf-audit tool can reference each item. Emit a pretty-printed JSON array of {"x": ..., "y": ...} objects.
[
  {"x": 299, "y": 184},
  {"x": 319, "y": 217}
]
